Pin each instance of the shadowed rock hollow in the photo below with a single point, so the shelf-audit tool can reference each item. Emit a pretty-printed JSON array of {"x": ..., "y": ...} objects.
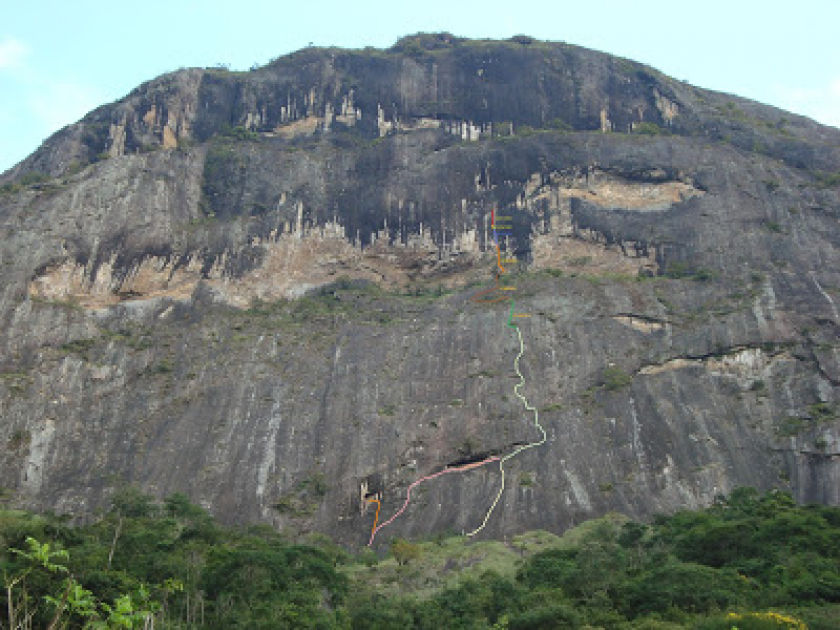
[{"x": 254, "y": 287}]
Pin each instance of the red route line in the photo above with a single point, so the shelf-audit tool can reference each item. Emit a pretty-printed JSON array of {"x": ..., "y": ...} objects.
[
  {"x": 476, "y": 298},
  {"x": 438, "y": 474},
  {"x": 494, "y": 289}
]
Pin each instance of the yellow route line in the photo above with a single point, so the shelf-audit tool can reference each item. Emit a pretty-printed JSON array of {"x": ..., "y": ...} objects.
[{"x": 528, "y": 406}]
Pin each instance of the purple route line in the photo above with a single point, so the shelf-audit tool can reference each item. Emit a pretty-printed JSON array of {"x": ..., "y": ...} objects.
[{"x": 438, "y": 474}]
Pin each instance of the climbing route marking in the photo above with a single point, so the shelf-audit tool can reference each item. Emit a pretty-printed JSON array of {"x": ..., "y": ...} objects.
[
  {"x": 528, "y": 407},
  {"x": 479, "y": 298},
  {"x": 375, "y": 518},
  {"x": 445, "y": 471},
  {"x": 525, "y": 402},
  {"x": 494, "y": 289},
  {"x": 499, "y": 258}
]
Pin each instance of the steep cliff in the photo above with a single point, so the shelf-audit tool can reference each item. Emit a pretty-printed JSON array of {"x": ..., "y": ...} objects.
[{"x": 257, "y": 288}]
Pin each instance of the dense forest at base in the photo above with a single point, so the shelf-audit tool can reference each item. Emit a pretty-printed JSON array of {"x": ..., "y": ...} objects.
[{"x": 750, "y": 561}]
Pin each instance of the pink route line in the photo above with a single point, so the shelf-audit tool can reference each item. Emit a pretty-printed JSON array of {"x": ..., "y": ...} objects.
[{"x": 438, "y": 474}]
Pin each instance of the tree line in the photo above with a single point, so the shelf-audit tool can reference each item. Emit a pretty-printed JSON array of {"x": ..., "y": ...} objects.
[{"x": 750, "y": 561}]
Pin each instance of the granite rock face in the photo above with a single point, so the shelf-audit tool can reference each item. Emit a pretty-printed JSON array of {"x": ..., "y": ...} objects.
[{"x": 256, "y": 288}]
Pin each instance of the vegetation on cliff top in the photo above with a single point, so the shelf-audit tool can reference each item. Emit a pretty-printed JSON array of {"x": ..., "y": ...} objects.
[{"x": 749, "y": 561}]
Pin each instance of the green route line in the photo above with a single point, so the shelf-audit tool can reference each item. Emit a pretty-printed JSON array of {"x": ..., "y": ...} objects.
[
  {"x": 528, "y": 407},
  {"x": 501, "y": 460}
]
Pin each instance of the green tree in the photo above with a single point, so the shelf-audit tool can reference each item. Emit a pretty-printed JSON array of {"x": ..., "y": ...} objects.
[
  {"x": 690, "y": 587},
  {"x": 404, "y": 551},
  {"x": 37, "y": 556}
]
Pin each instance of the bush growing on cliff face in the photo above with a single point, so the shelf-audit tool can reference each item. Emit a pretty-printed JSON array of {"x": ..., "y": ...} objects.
[
  {"x": 238, "y": 133},
  {"x": 615, "y": 378},
  {"x": 10, "y": 188},
  {"x": 679, "y": 270},
  {"x": 503, "y": 128},
  {"x": 559, "y": 124},
  {"x": 75, "y": 168},
  {"x": 828, "y": 180},
  {"x": 33, "y": 178},
  {"x": 649, "y": 129}
]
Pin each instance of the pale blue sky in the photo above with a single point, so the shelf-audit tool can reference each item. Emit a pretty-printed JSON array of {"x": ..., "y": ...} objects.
[{"x": 59, "y": 59}]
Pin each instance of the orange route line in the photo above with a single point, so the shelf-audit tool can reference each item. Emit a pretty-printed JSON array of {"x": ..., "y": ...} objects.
[
  {"x": 376, "y": 518},
  {"x": 495, "y": 288},
  {"x": 499, "y": 258},
  {"x": 493, "y": 225}
]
